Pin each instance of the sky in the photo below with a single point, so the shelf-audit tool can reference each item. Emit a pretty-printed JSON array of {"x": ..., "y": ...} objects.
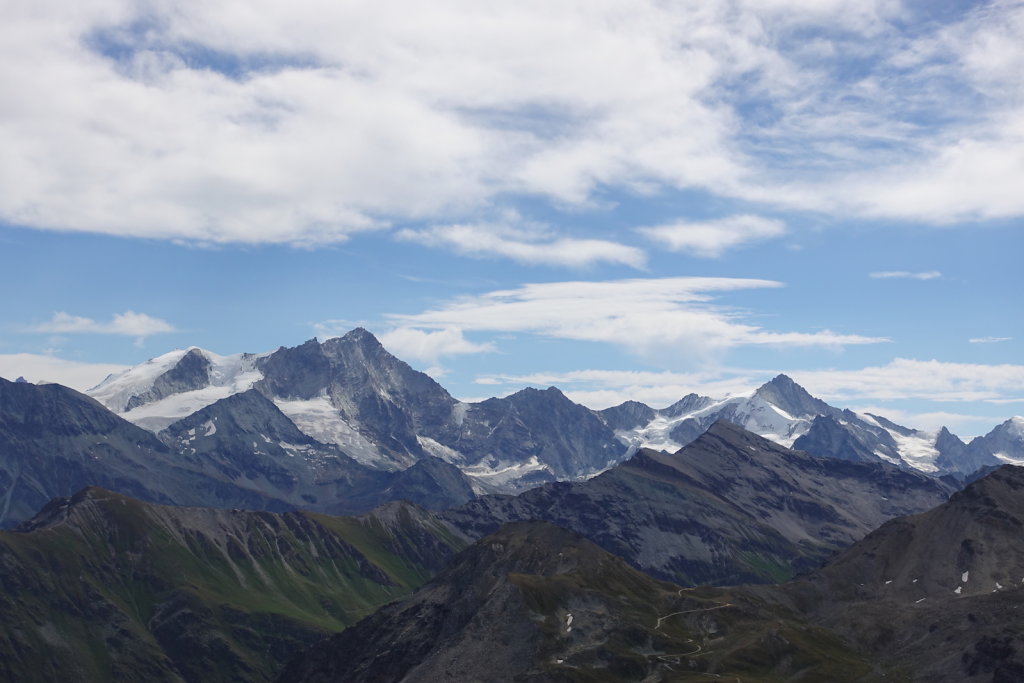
[{"x": 627, "y": 199}]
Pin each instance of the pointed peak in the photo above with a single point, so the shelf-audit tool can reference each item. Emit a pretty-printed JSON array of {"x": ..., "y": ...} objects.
[
  {"x": 1014, "y": 426},
  {"x": 780, "y": 382},
  {"x": 361, "y": 335},
  {"x": 782, "y": 392}
]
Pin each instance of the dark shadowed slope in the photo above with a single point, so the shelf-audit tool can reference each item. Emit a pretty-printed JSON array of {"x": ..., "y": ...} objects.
[
  {"x": 533, "y": 602},
  {"x": 940, "y": 593},
  {"x": 731, "y": 507}
]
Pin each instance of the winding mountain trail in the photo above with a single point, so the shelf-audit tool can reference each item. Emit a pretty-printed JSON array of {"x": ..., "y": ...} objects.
[
  {"x": 675, "y": 658},
  {"x": 690, "y": 611}
]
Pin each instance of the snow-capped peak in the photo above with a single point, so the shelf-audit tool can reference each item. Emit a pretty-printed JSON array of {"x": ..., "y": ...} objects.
[
  {"x": 1015, "y": 427},
  {"x": 152, "y": 398},
  {"x": 117, "y": 389}
]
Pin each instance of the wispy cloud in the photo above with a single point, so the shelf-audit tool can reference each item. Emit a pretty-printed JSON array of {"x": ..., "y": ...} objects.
[
  {"x": 129, "y": 324},
  {"x": 532, "y": 246},
  {"x": 905, "y": 378},
  {"x": 646, "y": 316},
  {"x": 988, "y": 340},
  {"x": 710, "y": 239},
  {"x": 430, "y": 345},
  {"x": 905, "y": 275}
]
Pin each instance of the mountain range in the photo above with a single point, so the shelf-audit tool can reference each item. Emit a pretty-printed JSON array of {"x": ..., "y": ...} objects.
[
  {"x": 99, "y": 585},
  {"x": 349, "y": 391},
  {"x": 342, "y": 426}
]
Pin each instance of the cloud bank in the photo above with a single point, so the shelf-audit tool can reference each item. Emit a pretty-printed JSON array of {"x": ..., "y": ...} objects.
[{"x": 308, "y": 122}]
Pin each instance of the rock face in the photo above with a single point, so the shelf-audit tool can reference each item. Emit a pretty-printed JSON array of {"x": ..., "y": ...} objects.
[
  {"x": 940, "y": 592},
  {"x": 533, "y": 602},
  {"x": 836, "y": 438},
  {"x": 101, "y": 587},
  {"x": 379, "y": 395},
  {"x": 731, "y": 507},
  {"x": 1005, "y": 443},
  {"x": 54, "y": 441}
]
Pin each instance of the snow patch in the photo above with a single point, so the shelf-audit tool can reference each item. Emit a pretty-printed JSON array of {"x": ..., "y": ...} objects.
[
  {"x": 439, "y": 450},
  {"x": 885, "y": 456},
  {"x": 965, "y": 576},
  {"x": 1007, "y": 458},
  {"x": 917, "y": 450},
  {"x": 317, "y": 418},
  {"x": 959, "y": 589},
  {"x": 459, "y": 411},
  {"x": 501, "y": 474},
  {"x": 229, "y": 375}
]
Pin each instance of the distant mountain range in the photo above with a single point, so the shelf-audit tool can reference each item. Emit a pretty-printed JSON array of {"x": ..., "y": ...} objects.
[
  {"x": 342, "y": 426},
  {"x": 350, "y": 392}
]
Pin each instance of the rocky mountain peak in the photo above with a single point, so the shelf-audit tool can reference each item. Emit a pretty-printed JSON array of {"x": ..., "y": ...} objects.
[
  {"x": 786, "y": 394},
  {"x": 362, "y": 336},
  {"x": 687, "y": 404},
  {"x": 1014, "y": 427}
]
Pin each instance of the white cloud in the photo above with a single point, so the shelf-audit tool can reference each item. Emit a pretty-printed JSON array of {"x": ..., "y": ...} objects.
[
  {"x": 129, "y": 324},
  {"x": 905, "y": 275},
  {"x": 531, "y": 246},
  {"x": 988, "y": 340},
  {"x": 429, "y": 346},
  {"x": 711, "y": 239},
  {"x": 905, "y": 378},
  {"x": 965, "y": 426},
  {"x": 646, "y": 316},
  {"x": 322, "y": 119},
  {"x": 39, "y": 368}
]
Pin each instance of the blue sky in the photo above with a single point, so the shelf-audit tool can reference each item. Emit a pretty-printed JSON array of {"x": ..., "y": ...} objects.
[{"x": 624, "y": 199}]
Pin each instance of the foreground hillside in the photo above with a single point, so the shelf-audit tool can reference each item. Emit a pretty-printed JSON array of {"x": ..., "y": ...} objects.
[
  {"x": 533, "y": 602},
  {"x": 932, "y": 598},
  {"x": 941, "y": 592},
  {"x": 101, "y": 587}
]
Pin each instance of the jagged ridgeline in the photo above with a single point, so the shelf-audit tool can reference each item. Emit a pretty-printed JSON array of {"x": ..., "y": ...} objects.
[
  {"x": 341, "y": 426},
  {"x": 101, "y": 587}
]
